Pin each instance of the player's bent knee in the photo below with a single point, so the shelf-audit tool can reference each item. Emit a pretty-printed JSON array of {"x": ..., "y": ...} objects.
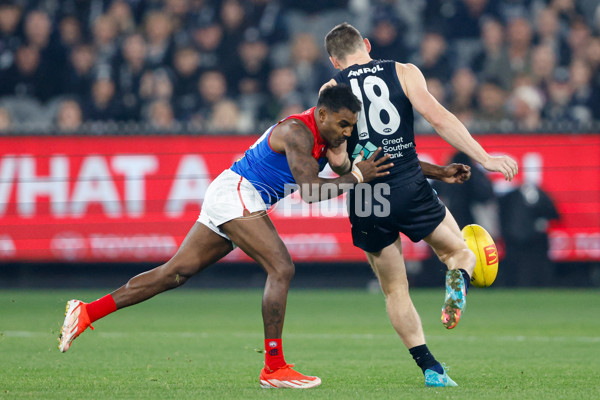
[
  {"x": 175, "y": 275},
  {"x": 395, "y": 290},
  {"x": 282, "y": 271}
]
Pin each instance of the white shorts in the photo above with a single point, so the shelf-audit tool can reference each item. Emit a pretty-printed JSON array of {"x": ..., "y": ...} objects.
[{"x": 226, "y": 198}]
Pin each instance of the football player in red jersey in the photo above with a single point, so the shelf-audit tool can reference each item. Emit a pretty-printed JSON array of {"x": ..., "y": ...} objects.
[{"x": 234, "y": 213}]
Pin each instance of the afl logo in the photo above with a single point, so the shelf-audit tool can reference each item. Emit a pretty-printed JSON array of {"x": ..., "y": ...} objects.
[
  {"x": 387, "y": 130},
  {"x": 491, "y": 254},
  {"x": 272, "y": 344}
]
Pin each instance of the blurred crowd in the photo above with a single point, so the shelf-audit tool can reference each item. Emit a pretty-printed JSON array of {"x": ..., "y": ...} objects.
[{"x": 234, "y": 66}]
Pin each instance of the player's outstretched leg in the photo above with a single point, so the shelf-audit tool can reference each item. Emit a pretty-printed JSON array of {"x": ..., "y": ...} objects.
[
  {"x": 202, "y": 247},
  {"x": 456, "y": 298},
  {"x": 435, "y": 379},
  {"x": 286, "y": 377},
  {"x": 76, "y": 321}
]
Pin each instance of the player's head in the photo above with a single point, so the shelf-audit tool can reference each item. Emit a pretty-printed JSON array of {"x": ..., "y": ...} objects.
[
  {"x": 337, "y": 113},
  {"x": 336, "y": 97},
  {"x": 344, "y": 40}
]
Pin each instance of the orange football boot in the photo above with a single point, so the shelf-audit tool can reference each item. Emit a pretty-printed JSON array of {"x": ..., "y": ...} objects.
[
  {"x": 76, "y": 321},
  {"x": 286, "y": 377}
]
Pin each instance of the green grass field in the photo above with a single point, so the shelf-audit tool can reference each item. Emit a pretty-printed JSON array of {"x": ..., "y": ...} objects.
[{"x": 520, "y": 344}]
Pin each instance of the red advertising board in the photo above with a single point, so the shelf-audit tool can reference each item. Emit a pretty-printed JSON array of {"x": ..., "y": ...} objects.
[{"x": 134, "y": 198}]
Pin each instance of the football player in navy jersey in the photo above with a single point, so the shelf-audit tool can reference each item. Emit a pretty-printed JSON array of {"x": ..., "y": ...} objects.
[{"x": 389, "y": 91}]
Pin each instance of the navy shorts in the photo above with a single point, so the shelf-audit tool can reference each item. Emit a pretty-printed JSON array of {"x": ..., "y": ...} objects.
[{"x": 413, "y": 208}]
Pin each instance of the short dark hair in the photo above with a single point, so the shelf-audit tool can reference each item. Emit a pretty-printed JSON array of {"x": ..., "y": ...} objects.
[
  {"x": 337, "y": 97},
  {"x": 342, "y": 40}
]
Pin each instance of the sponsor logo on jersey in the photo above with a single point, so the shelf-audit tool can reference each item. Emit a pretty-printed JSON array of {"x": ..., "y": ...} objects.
[
  {"x": 491, "y": 254},
  {"x": 361, "y": 71},
  {"x": 367, "y": 150}
]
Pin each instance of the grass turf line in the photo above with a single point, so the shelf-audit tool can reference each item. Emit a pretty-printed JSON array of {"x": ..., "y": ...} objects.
[{"x": 521, "y": 344}]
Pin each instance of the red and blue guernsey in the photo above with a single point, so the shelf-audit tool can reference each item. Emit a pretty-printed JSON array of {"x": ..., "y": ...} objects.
[{"x": 268, "y": 170}]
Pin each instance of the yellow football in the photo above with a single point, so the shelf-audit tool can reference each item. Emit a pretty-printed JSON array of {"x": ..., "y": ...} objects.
[{"x": 481, "y": 243}]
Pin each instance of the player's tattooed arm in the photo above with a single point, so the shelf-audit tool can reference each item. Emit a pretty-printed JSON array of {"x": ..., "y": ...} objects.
[
  {"x": 297, "y": 142},
  {"x": 453, "y": 173}
]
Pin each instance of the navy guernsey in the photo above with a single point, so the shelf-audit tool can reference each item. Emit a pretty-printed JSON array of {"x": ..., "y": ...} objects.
[{"x": 386, "y": 118}]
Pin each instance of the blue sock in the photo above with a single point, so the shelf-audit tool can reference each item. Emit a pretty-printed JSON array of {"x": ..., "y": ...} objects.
[{"x": 467, "y": 279}]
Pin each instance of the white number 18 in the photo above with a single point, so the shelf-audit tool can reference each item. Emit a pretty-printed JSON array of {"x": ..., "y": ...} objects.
[{"x": 379, "y": 103}]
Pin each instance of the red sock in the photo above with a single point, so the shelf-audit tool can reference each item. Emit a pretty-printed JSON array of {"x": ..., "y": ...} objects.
[
  {"x": 101, "y": 308},
  {"x": 274, "y": 354}
]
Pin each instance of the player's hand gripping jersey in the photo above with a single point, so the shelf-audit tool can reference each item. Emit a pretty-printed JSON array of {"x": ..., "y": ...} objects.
[{"x": 268, "y": 170}]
